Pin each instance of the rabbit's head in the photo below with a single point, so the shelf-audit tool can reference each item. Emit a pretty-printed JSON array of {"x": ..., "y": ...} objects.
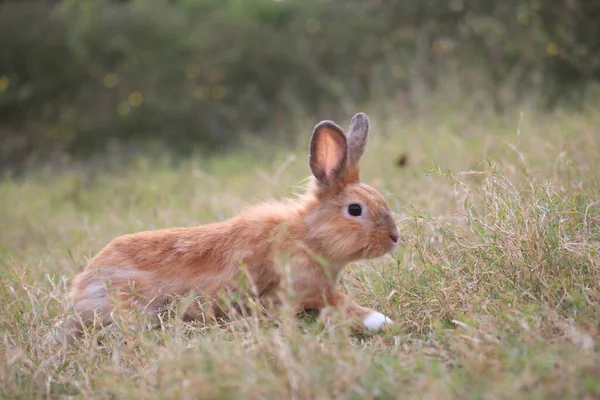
[{"x": 347, "y": 220}]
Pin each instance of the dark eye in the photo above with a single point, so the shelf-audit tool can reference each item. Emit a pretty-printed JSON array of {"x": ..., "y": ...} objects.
[{"x": 355, "y": 210}]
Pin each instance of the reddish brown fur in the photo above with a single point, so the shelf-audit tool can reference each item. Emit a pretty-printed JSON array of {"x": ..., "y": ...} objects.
[{"x": 293, "y": 249}]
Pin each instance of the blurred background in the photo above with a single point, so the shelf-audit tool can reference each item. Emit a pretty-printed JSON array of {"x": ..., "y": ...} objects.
[{"x": 84, "y": 80}]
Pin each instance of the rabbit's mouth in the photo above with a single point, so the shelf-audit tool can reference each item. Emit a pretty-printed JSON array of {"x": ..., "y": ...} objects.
[{"x": 370, "y": 251}]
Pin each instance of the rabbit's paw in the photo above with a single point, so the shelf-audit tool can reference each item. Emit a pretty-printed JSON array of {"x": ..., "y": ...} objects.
[{"x": 376, "y": 321}]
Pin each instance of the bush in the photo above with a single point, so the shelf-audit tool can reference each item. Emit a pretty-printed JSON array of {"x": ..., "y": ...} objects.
[{"x": 197, "y": 73}]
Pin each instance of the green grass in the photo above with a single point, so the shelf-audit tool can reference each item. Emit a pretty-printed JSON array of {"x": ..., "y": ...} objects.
[{"x": 495, "y": 288}]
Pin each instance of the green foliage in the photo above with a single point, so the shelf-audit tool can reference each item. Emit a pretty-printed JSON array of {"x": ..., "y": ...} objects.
[{"x": 89, "y": 75}]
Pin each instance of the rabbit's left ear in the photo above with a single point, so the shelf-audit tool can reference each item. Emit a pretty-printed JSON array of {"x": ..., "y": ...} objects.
[
  {"x": 328, "y": 153},
  {"x": 357, "y": 137}
]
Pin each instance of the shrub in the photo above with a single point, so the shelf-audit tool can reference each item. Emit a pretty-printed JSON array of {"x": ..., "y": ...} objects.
[{"x": 198, "y": 73}]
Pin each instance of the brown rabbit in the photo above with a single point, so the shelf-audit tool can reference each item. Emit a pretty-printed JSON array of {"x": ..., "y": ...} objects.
[{"x": 295, "y": 248}]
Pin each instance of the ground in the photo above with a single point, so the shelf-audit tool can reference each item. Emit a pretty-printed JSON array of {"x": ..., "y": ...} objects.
[{"x": 494, "y": 289}]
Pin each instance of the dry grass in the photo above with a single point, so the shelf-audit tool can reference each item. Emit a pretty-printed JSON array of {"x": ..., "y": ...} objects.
[{"x": 495, "y": 289}]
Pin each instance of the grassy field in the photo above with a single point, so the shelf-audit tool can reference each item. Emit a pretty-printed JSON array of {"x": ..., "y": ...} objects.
[{"x": 495, "y": 288}]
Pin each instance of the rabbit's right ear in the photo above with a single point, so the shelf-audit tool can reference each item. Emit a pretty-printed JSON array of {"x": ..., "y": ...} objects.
[
  {"x": 328, "y": 152},
  {"x": 357, "y": 137}
]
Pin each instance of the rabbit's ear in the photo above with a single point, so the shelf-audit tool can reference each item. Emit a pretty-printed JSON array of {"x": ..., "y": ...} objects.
[
  {"x": 357, "y": 137},
  {"x": 328, "y": 152}
]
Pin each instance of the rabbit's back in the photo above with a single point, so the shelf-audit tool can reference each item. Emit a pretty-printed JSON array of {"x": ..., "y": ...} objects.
[{"x": 145, "y": 269}]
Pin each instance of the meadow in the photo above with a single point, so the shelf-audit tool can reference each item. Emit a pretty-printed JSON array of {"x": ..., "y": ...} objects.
[{"x": 494, "y": 289}]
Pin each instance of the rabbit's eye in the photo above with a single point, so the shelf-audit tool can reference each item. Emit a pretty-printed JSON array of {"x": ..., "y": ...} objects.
[{"x": 355, "y": 210}]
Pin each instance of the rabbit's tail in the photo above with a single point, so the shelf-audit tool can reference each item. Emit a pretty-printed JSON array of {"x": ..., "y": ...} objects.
[
  {"x": 91, "y": 306},
  {"x": 68, "y": 330}
]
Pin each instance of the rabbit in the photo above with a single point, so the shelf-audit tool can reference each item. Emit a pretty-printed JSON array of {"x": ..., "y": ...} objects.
[{"x": 295, "y": 248}]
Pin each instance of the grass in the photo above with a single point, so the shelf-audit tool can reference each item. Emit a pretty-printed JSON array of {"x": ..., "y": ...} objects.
[{"x": 495, "y": 288}]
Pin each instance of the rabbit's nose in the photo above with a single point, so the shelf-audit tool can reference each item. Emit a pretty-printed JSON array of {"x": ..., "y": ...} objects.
[{"x": 394, "y": 237}]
